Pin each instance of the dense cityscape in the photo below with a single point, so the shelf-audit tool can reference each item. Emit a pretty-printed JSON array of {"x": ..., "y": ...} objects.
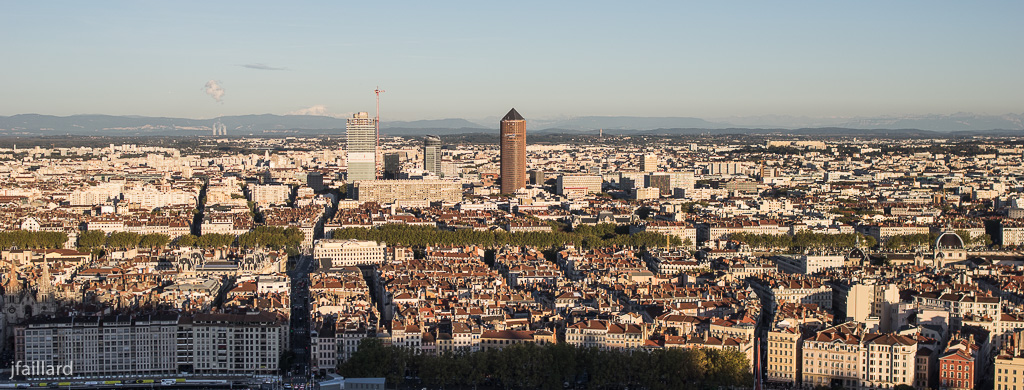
[{"x": 579, "y": 261}]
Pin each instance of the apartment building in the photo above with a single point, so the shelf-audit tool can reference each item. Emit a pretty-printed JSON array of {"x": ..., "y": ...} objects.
[
  {"x": 887, "y": 360},
  {"x": 100, "y": 346},
  {"x": 206, "y": 344},
  {"x": 230, "y": 344},
  {"x": 577, "y": 186},
  {"x": 833, "y": 354},
  {"x": 407, "y": 191},
  {"x": 604, "y": 335},
  {"x": 270, "y": 194},
  {"x": 332, "y": 253},
  {"x": 784, "y": 349}
]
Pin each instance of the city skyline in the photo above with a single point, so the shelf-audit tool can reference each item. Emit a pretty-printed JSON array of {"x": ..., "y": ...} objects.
[
  {"x": 715, "y": 195},
  {"x": 440, "y": 61}
]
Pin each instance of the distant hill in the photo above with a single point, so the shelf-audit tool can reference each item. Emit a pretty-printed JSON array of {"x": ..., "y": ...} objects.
[
  {"x": 450, "y": 123},
  {"x": 109, "y": 125},
  {"x": 269, "y": 124},
  {"x": 622, "y": 123},
  {"x": 951, "y": 122},
  {"x": 265, "y": 124},
  {"x": 954, "y": 122}
]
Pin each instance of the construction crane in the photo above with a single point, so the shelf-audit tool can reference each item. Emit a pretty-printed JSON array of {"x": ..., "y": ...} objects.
[
  {"x": 378, "y": 91},
  {"x": 376, "y": 122}
]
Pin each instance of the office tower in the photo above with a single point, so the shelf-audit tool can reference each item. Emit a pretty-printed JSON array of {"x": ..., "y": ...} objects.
[
  {"x": 392, "y": 165},
  {"x": 315, "y": 180},
  {"x": 432, "y": 154},
  {"x": 537, "y": 177},
  {"x": 662, "y": 182},
  {"x": 362, "y": 147},
  {"x": 649, "y": 163},
  {"x": 513, "y": 152}
]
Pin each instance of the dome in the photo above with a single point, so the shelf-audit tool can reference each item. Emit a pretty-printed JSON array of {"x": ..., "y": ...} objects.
[
  {"x": 949, "y": 240},
  {"x": 856, "y": 253}
]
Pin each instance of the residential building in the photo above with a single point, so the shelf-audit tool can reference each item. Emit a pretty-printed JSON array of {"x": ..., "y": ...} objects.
[
  {"x": 577, "y": 186},
  {"x": 408, "y": 191},
  {"x": 332, "y": 253}
]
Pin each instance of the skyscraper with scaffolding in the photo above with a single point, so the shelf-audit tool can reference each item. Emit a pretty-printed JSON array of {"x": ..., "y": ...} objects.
[{"x": 361, "y": 139}]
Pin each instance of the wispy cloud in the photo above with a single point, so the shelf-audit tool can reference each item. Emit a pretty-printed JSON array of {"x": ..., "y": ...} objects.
[{"x": 262, "y": 66}]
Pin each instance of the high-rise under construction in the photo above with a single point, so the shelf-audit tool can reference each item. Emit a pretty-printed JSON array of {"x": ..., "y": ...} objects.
[{"x": 361, "y": 138}]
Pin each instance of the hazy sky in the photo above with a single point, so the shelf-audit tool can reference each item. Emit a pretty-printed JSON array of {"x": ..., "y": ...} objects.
[{"x": 477, "y": 59}]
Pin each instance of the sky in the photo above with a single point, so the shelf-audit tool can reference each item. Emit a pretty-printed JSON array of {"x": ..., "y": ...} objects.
[{"x": 476, "y": 59}]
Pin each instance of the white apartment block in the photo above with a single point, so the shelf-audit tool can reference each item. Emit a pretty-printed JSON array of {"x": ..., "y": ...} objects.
[
  {"x": 150, "y": 198},
  {"x": 332, "y": 253},
  {"x": 205, "y": 344},
  {"x": 577, "y": 185},
  {"x": 809, "y": 264},
  {"x": 270, "y": 194},
  {"x": 100, "y": 346},
  {"x": 408, "y": 191}
]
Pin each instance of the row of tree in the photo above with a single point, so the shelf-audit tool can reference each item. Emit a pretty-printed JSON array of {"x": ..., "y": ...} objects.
[
  {"x": 24, "y": 239},
  {"x": 421, "y": 236},
  {"x": 262, "y": 236},
  {"x": 909, "y": 241},
  {"x": 92, "y": 239},
  {"x": 804, "y": 240},
  {"x": 209, "y": 240},
  {"x": 272, "y": 237},
  {"x": 529, "y": 366}
]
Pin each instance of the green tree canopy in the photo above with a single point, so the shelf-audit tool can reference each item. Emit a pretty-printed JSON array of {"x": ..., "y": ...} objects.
[
  {"x": 602, "y": 235},
  {"x": 90, "y": 239},
  {"x": 23, "y": 239},
  {"x": 530, "y": 366},
  {"x": 154, "y": 240}
]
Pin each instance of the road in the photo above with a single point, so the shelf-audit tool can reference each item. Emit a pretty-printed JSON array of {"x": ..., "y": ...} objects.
[{"x": 300, "y": 321}]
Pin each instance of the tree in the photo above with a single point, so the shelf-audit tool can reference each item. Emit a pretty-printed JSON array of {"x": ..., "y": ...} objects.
[
  {"x": 530, "y": 366},
  {"x": 123, "y": 240},
  {"x": 965, "y": 236},
  {"x": 91, "y": 239},
  {"x": 215, "y": 240},
  {"x": 421, "y": 236},
  {"x": 986, "y": 240},
  {"x": 24, "y": 239},
  {"x": 187, "y": 240},
  {"x": 154, "y": 240}
]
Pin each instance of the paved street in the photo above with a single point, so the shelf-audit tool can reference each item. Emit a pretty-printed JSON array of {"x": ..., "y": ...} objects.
[{"x": 300, "y": 342}]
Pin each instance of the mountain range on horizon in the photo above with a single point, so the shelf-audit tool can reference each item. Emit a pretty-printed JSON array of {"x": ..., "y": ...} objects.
[{"x": 271, "y": 124}]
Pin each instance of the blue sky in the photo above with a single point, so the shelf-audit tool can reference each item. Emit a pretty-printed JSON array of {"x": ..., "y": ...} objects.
[{"x": 548, "y": 59}]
